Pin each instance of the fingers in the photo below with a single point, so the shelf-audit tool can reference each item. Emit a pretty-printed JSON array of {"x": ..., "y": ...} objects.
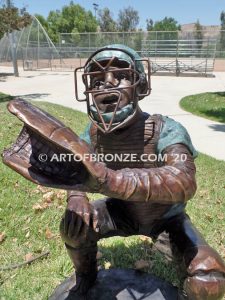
[
  {"x": 67, "y": 218},
  {"x": 76, "y": 226},
  {"x": 77, "y": 219},
  {"x": 86, "y": 217},
  {"x": 73, "y": 222}
]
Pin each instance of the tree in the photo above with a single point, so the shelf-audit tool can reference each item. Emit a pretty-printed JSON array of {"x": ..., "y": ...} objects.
[
  {"x": 105, "y": 20},
  {"x": 222, "y": 33},
  {"x": 52, "y": 25},
  {"x": 222, "y": 19},
  {"x": 198, "y": 34},
  {"x": 72, "y": 18},
  {"x": 11, "y": 18},
  {"x": 128, "y": 19},
  {"x": 149, "y": 24},
  {"x": 167, "y": 24}
]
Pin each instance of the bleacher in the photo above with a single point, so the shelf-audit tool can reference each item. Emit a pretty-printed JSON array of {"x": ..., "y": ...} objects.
[{"x": 180, "y": 56}]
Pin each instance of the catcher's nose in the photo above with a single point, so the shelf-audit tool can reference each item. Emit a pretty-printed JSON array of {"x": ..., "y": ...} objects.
[{"x": 110, "y": 80}]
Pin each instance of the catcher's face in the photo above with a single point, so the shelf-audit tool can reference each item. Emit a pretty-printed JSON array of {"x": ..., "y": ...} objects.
[
  {"x": 110, "y": 87},
  {"x": 114, "y": 80},
  {"x": 116, "y": 87}
]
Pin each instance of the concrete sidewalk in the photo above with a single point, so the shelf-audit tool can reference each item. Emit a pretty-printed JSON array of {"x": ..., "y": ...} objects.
[{"x": 58, "y": 87}]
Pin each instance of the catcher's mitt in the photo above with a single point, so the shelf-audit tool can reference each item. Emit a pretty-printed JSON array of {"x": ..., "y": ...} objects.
[{"x": 43, "y": 138}]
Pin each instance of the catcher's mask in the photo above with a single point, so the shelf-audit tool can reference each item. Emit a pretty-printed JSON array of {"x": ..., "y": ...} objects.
[{"x": 113, "y": 76}]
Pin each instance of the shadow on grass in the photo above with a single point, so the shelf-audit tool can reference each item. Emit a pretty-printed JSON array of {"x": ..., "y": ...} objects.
[
  {"x": 5, "y": 98},
  {"x": 219, "y": 114},
  {"x": 121, "y": 255},
  {"x": 222, "y": 94},
  {"x": 33, "y": 96}
]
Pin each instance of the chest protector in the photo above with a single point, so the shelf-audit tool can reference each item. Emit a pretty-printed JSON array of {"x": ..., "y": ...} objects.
[
  {"x": 140, "y": 138},
  {"x": 132, "y": 147}
]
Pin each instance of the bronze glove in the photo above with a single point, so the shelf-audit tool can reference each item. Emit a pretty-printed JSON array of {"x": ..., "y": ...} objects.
[{"x": 41, "y": 138}]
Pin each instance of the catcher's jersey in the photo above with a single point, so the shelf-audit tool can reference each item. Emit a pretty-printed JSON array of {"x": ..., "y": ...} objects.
[{"x": 141, "y": 145}]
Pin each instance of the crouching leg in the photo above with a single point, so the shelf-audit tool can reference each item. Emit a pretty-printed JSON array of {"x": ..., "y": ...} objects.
[
  {"x": 204, "y": 268},
  {"x": 82, "y": 225},
  {"x": 79, "y": 231}
]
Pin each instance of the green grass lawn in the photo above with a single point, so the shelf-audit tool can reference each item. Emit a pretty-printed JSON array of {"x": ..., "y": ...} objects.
[
  {"x": 207, "y": 105},
  {"x": 29, "y": 231}
]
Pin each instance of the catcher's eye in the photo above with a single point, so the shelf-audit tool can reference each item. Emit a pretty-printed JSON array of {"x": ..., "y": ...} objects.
[
  {"x": 122, "y": 75},
  {"x": 97, "y": 83}
]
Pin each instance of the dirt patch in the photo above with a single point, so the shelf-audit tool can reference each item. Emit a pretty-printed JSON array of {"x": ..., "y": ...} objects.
[{"x": 219, "y": 65}]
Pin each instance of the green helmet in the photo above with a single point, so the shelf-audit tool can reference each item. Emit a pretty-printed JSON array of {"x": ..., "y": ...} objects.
[{"x": 128, "y": 55}]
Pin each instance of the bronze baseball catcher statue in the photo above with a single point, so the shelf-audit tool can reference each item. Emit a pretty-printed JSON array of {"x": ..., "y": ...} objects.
[{"x": 144, "y": 195}]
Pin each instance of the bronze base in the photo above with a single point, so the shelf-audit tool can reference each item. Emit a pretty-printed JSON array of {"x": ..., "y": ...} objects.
[{"x": 120, "y": 284}]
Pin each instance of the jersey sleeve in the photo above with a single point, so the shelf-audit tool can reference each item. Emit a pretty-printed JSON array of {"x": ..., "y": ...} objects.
[
  {"x": 174, "y": 133},
  {"x": 86, "y": 134}
]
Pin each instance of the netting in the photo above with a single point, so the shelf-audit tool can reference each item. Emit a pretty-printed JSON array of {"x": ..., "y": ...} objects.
[{"x": 34, "y": 48}]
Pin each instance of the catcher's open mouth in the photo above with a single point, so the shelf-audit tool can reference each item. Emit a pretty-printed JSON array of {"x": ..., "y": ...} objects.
[
  {"x": 112, "y": 99},
  {"x": 108, "y": 103},
  {"x": 110, "y": 108}
]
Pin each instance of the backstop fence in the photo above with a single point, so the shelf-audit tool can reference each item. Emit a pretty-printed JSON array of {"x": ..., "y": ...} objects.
[{"x": 173, "y": 52}]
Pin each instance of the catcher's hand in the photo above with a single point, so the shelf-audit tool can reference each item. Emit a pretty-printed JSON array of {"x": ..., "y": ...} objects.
[{"x": 80, "y": 221}]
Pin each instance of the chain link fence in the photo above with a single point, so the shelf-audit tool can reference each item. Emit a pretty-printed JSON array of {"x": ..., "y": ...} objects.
[{"x": 171, "y": 51}]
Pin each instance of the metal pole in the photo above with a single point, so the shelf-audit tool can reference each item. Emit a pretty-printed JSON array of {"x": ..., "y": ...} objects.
[
  {"x": 13, "y": 47},
  {"x": 177, "y": 55},
  {"x": 206, "y": 60},
  {"x": 38, "y": 46},
  {"x": 95, "y": 5}
]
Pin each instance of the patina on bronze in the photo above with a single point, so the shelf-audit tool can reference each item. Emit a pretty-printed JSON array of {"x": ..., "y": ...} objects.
[{"x": 145, "y": 197}]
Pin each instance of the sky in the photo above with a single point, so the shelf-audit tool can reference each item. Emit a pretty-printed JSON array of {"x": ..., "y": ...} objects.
[{"x": 184, "y": 11}]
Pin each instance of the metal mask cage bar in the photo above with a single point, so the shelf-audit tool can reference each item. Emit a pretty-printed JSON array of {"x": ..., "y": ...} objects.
[
  {"x": 148, "y": 77},
  {"x": 75, "y": 85},
  {"x": 106, "y": 126},
  {"x": 134, "y": 76},
  {"x": 136, "y": 81},
  {"x": 140, "y": 95}
]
